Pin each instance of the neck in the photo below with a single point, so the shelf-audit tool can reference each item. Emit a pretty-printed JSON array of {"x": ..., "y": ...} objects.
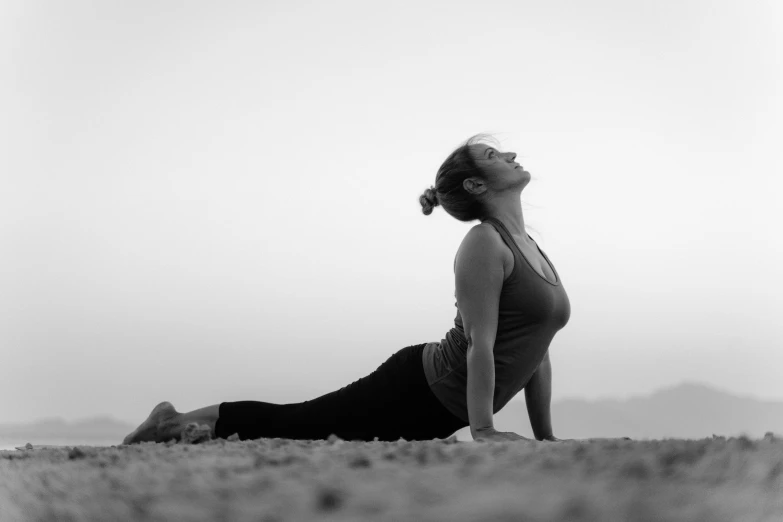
[{"x": 508, "y": 209}]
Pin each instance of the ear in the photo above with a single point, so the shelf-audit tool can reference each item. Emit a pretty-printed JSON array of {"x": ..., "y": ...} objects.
[{"x": 474, "y": 186}]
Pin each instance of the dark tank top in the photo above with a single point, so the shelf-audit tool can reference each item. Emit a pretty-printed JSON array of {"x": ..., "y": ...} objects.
[{"x": 531, "y": 311}]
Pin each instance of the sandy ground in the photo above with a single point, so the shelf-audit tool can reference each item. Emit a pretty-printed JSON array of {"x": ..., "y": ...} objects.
[{"x": 709, "y": 480}]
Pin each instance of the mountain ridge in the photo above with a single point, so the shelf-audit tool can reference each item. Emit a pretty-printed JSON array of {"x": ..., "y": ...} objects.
[{"x": 687, "y": 410}]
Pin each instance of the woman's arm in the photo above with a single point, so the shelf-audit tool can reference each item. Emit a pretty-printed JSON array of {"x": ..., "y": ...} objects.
[
  {"x": 538, "y": 397},
  {"x": 479, "y": 276},
  {"x": 481, "y": 387}
]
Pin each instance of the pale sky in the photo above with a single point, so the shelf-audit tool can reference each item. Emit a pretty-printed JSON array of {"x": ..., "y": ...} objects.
[{"x": 218, "y": 201}]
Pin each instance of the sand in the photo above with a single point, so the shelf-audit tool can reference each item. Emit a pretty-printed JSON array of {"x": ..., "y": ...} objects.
[{"x": 709, "y": 480}]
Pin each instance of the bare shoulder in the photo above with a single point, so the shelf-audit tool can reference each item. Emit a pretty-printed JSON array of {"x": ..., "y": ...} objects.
[
  {"x": 484, "y": 239},
  {"x": 481, "y": 237}
]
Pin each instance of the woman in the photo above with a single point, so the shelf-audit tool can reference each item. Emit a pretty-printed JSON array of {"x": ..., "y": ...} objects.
[{"x": 510, "y": 303}]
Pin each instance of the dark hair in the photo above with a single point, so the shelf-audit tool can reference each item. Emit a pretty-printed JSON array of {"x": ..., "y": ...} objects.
[{"x": 448, "y": 190}]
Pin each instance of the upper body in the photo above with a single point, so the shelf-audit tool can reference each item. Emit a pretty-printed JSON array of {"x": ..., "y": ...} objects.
[
  {"x": 510, "y": 299},
  {"x": 507, "y": 288}
]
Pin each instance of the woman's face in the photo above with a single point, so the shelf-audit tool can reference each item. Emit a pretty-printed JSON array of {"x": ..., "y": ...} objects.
[{"x": 502, "y": 172}]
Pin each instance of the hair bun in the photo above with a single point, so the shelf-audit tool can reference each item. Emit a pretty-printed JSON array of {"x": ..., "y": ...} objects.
[{"x": 428, "y": 201}]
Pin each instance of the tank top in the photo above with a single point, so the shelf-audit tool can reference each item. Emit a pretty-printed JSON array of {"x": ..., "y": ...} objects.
[{"x": 531, "y": 311}]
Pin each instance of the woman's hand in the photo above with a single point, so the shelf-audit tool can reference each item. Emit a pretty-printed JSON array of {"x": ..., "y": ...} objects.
[
  {"x": 552, "y": 438},
  {"x": 493, "y": 435}
]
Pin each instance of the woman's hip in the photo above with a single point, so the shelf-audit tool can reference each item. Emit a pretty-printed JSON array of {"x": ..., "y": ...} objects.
[{"x": 395, "y": 398}]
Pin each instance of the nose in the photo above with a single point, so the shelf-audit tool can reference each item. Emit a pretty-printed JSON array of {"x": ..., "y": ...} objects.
[{"x": 513, "y": 155}]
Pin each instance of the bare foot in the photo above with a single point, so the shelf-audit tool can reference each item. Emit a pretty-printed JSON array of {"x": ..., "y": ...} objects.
[{"x": 153, "y": 429}]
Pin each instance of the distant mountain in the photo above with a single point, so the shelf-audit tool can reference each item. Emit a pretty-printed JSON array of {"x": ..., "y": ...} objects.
[
  {"x": 57, "y": 430},
  {"x": 685, "y": 411}
]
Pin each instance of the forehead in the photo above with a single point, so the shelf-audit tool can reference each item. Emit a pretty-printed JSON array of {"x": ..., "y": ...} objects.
[{"x": 480, "y": 149}]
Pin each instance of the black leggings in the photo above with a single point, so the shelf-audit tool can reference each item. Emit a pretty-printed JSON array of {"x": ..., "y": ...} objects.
[{"x": 392, "y": 402}]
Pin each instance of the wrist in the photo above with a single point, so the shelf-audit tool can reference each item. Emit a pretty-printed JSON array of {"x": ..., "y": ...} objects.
[{"x": 482, "y": 430}]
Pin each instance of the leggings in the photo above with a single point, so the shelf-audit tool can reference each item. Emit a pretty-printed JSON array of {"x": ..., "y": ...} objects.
[{"x": 392, "y": 402}]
